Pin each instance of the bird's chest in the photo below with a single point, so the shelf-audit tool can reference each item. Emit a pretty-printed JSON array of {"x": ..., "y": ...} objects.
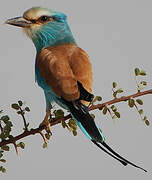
[
  {"x": 49, "y": 93},
  {"x": 42, "y": 82}
]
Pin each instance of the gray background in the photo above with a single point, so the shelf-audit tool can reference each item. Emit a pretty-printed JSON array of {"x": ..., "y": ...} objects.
[{"x": 117, "y": 35}]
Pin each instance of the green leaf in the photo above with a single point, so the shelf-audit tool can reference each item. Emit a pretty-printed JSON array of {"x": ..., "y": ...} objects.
[
  {"x": 147, "y": 122},
  {"x": 72, "y": 122},
  {"x": 20, "y": 103},
  {"x": 131, "y": 103},
  {"x": 120, "y": 90},
  {"x": 27, "y": 109},
  {"x": 117, "y": 114},
  {"x": 139, "y": 101},
  {"x": 3, "y": 170},
  {"x": 114, "y": 84},
  {"x": 114, "y": 117},
  {"x": 141, "y": 111},
  {"x": 74, "y": 132},
  {"x": 93, "y": 116},
  {"x": 105, "y": 110},
  {"x": 137, "y": 71},
  {"x": 5, "y": 148},
  {"x": 144, "y": 83},
  {"x": 142, "y": 73},
  {"x": 63, "y": 124},
  {"x": 99, "y": 98},
  {"x": 115, "y": 94},
  {"x": 59, "y": 113},
  {"x": 145, "y": 118},
  {"x": 113, "y": 107},
  {"x": 3, "y": 160},
  {"x": 45, "y": 145},
  {"x": 47, "y": 136},
  {"x": 15, "y": 106},
  {"x": 5, "y": 119},
  {"x": 22, "y": 145},
  {"x": 1, "y": 153},
  {"x": 19, "y": 112}
]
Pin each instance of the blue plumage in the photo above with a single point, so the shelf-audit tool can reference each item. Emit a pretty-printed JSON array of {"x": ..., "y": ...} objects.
[{"x": 53, "y": 33}]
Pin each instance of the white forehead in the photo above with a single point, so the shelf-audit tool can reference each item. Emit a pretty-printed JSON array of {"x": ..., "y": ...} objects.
[{"x": 36, "y": 12}]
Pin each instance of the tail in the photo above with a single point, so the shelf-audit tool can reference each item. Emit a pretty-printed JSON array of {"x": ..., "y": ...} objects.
[{"x": 86, "y": 123}]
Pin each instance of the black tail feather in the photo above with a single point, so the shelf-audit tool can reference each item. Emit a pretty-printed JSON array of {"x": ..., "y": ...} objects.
[
  {"x": 116, "y": 154},
  {"x": 121, "y": 161}
]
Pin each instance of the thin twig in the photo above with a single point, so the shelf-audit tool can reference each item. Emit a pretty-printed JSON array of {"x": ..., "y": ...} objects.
[
  {"x": 57, "y": 121},
  {"x": 24, "y": 120}
]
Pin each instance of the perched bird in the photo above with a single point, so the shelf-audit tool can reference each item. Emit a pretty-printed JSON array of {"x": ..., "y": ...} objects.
[{"x": 63, "y": 70}]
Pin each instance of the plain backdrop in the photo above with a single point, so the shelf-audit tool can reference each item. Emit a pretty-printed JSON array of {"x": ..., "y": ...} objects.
[{"x": 117, "y": 34}]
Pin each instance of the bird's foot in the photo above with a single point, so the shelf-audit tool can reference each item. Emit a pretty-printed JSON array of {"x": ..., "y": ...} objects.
[{"x": 46, "y": 122}]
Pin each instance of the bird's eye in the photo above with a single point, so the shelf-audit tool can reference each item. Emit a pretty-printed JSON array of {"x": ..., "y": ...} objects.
[{"x": 44, "y": 18}]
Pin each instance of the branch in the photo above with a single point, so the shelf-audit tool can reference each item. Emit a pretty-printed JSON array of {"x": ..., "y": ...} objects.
[{"x": 57, "y": 121}]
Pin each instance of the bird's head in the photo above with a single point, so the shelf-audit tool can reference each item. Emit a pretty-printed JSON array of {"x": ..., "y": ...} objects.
[{"x": 44, "y": 26}]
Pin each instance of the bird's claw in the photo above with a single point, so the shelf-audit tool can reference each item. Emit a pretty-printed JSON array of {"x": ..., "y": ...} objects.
[{"x": 46, "y": 122}]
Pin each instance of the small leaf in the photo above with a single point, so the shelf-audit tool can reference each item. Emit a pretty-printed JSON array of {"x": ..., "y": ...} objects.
[
  {"x": 5, "y": 148},
  {"x": 45, "y": 145},
  {"x": 141, "y": 111},
  {"x": 93, "y": 116},
  {"x": 99, "y": 98},
  {"x": 3, "y": 170},
  {"x": 3, "y": 160},
  {"x": 147, "y": 122},
  {"x": 20, "y": 103},
  {"x": 115, "y": 94},
  {"x": 117, "y": 114},
  {"x": 113, "y": 107},
  {"x": 139, "y": 101},
  {"x": 137, "y": 71},
  {"x": 19, "y": 112},
  {"x": 15, "y": 106},
  {"x": 142, "y": 73},
  {"x": 5, "y": 119},
  {"x": 114, "y": 117},
  {"x": 1, "y": 154},
  {"x": 114, "y": 84},
  {"x": 140, "y": 87},
  {"x": 22, "y": 145},
  {"x": 59, "y": 113},
  {"x": 105, "y": 110},
  {"x": 47, "y": 136},
  {"x": 145, "y": 118},
  {"x": 123, "y": 96},
  {"x": 63, "y": 124},
  {"x": 143, "y": 83},
  {"x": 74, "y": 132},
  {"x": 27, "y": 109},
  {"x": 120, "y": 90},
  {"x": 131, "y": 103}
]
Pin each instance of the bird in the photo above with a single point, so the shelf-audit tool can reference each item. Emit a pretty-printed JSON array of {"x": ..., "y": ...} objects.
[{"x": 63, "y": 70}]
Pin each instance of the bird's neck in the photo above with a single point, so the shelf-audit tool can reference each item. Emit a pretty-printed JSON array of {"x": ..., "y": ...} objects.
[{"x": 50, "y": 36}]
